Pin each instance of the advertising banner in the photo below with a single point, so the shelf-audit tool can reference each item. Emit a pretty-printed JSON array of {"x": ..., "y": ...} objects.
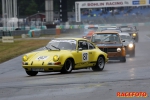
[{"x": 111, "y": 3}]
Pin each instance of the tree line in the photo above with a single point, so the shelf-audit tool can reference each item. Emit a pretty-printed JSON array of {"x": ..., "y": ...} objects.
[{"x": 29, "y": 7}]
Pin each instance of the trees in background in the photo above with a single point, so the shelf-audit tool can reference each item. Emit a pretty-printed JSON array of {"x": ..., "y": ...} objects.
[{"x": 28, "y": 7}]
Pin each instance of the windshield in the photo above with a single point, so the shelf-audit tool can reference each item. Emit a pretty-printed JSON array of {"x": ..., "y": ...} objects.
[
  {"x": 112, "y": 30},
  {"x": 126, "y": 29},
  {"x": 101, "y": 38},
  {"x": 125, "y": 37},
  {"x": 62, "y": 45}
]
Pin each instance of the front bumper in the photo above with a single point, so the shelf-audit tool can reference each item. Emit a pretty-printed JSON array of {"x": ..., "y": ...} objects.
[{"x": 47, "y": 68}]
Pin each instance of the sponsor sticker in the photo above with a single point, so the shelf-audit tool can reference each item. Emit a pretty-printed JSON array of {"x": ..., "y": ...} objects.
[
  {"x": 42, "y": 58},
  {"x": 132, "y": 94}
]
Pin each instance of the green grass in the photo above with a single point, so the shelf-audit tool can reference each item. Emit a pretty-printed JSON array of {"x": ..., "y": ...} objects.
[{"x": 19, "y": 47}]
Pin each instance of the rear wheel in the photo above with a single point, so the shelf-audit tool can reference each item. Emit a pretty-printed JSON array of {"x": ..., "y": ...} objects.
[
  {"x": 68, "y": 66},
  {"x": 99, "y": 65},
  {"x": 32, "y": 73}
]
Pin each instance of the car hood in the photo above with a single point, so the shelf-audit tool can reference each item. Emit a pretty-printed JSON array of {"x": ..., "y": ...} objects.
[{"x": 46, "y": 55}]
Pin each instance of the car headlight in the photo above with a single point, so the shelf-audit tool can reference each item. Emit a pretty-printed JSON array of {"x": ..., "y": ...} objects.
[
  {"x": 134, "y": 34},
  {"x": 118, "y": 49},
  {"x": 25, "y": 58},
  {"x": 55, "y": 58},
  {"x": 130, "y": 45}
]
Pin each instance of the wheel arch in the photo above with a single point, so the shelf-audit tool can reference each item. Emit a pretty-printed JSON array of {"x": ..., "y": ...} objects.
[
  {"x": 71, "y": 58},
  {"x": 68, "y": 57},
  {"x": 102, "y": 56}
]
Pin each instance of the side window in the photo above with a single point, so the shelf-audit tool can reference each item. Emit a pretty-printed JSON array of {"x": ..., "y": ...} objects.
[
  {"x": 83, "y": 45},
  {"x": 91, "y": 46}
]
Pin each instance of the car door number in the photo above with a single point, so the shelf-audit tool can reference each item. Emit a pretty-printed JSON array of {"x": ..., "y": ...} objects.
[{"x": 85, "y": 56}]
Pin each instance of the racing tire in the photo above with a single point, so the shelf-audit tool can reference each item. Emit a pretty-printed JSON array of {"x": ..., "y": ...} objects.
[
  {"x": 67, "y": 67},
  {"x": 32, "y": 73},
  {"x": 100, "y": 64},
  {"x": 123, "y": 59}
]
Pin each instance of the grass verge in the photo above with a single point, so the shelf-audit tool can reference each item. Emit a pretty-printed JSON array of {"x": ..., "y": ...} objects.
[{"x": 19, "y": 47}]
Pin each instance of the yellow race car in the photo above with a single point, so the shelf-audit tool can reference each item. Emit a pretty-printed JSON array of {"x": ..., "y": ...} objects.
[{"x": 64, "y": 55}]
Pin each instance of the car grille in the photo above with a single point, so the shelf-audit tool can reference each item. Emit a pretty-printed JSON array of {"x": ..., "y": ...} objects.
[{"x": 109, "y": 49}]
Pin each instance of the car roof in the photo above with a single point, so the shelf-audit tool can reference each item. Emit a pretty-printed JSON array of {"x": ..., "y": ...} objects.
[{"x": 124, "y": 34}]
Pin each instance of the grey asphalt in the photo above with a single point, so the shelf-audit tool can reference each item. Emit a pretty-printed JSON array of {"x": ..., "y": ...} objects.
[{"x": 132, "y": 76}]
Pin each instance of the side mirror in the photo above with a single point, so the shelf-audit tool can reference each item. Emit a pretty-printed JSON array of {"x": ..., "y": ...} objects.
[{"x": 80, "y": 49}]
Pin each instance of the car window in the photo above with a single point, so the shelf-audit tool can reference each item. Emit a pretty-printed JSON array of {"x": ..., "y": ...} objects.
[
  {"x": 125, "y": 37},
  {"x": 126, "y": 28},
  {"x": 119, "y": 31},
  {"x": 101, "y": 38},
  {"x": 91, "y": 46},
  {"x": 62, "y": 45},
  {"x": 83, "y": 45}
]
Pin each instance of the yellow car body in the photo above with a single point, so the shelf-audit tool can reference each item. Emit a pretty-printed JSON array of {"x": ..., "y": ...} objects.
[{"x": 55, "y": 56}]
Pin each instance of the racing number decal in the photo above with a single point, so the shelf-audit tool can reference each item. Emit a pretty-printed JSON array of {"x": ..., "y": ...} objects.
[{"x": 85, "y": 56}]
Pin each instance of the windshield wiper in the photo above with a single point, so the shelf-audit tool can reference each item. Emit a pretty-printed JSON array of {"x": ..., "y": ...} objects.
[
  {"x": 55, "y": 47},
  {"x": 47, "y": 48}
]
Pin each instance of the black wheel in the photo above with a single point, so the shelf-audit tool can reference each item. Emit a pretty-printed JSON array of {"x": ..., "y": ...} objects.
[
  {"x": 123, "y": 59},
  {"x": 99, "y": 64},
  {"x": 68, "y": 66},
  {"x": 32, "y": 73},
  {"x": 132, "y": 53}
]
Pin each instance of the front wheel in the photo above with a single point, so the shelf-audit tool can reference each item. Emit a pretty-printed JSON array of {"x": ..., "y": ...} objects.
[
  {"x": 99, "y": 64},
  {"x": 32, "y": 73},
  {"x": 68, "y": 66}
]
